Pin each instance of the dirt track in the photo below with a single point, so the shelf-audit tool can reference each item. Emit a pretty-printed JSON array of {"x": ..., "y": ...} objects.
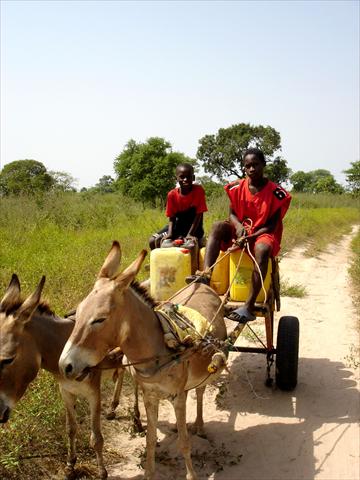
[{"x": 254, "y": 432}]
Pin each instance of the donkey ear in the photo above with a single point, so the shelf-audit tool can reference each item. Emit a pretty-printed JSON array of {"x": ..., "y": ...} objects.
[
  {"x": 12, "y": 294},
  {"x": 128, "y": 275},
  {"x": 26, "y": 310},
  {"x": 112, "y": 261}
]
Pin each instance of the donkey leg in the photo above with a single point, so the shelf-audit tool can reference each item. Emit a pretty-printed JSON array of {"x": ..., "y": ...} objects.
[
  {"x": 116, "y": 395},
  {"x": 137, "y": 420},
  {"x": 96, "y": 438},
  {"x": 198, "y": 426},
  {"x": 183, "y": 436},
  {"x": 71, "y": 428},
  {"x": 152, "y": 407}
]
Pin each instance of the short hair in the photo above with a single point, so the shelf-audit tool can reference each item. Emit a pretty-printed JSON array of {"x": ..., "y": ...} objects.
[
  {"x": 185, "y": 165},
  {"x": 259, "y": 154}
]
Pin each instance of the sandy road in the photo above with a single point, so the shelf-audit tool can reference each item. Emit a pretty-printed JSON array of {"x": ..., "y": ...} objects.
[{"x": 254, "y": 432}]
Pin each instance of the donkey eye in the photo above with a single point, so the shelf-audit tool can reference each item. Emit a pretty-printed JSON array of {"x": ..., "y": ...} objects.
[
  {"x": 6, "y": 361},
  {"x": 98, "y": 320}
]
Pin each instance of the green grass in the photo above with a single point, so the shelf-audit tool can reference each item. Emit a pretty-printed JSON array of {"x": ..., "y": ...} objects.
[
  {"x": 355, "y": 272},
  {"x": 292, "y": 290},
  {"x": 66, "y": 237}
]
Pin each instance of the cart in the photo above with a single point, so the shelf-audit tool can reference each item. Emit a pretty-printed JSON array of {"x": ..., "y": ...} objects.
[{"x": 286, "y": 351}]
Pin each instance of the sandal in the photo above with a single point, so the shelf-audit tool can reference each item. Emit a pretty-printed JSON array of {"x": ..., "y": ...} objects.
[{"x": 241, "y": 315}]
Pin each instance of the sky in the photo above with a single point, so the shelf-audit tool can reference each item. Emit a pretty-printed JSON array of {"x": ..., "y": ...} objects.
[{"x": 79, "y": 79}]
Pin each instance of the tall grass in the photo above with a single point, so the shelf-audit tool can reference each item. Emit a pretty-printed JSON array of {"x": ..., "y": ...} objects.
[{"x": 66, "y": 237}]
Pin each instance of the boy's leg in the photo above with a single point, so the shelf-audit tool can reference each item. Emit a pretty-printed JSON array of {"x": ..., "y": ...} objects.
[
  {"x": 221, "y": 234},
  {"x": 262, "y": 252},
  {"x": 156, "y": 238},
  {"x": 264, "y": 247}
]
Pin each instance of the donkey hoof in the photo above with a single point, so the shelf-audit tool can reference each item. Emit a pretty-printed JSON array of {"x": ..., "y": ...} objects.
[
  {"x": 103, "y": 473},
  {"x": 69, "y": 473},
  {"x": 110, "y": 415}
]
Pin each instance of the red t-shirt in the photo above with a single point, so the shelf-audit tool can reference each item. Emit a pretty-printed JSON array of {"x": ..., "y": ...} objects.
[
  {"x": 176, "y": 202},
  {"x": 259, "y": 207}
]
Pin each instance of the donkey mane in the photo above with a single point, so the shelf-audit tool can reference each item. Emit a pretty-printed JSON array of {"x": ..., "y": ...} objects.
[
  {"x": 43, "y": 307},
  {"x": 144, "y": 294}
]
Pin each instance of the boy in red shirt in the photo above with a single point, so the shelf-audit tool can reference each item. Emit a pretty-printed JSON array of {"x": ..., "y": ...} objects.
[
  {"x": 257, "y": 207},
  {"x": 184, "y": 207}
]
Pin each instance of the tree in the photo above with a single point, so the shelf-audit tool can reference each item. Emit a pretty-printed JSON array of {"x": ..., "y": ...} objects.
[
  {"x": 222, "y": 154},
  {"x": 315, "y": 181},
  {"x": 24, "y": 177},
  {"x": 353, "y": 177},
  {"x": 212, "y": 189},
  {"x": 278, "y": 171},
  {"x": 106, "y": 184},
  {"x": 63, "y": 182},
  {"x": 146, "y": 171}
]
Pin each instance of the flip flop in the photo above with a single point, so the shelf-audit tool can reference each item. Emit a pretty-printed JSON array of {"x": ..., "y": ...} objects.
[{"x": 241, "y": 315}]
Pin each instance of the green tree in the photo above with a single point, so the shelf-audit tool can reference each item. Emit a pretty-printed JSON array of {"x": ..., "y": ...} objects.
[
  {"x": 212, "y": 188},
  {"x": 146, "y": 171},
  {"x": 278, "y": 171},
  {"x": 106, "y": 184},
  {"x": 353, "y": 177},
  {"x": 24, "y": 177},
  {"x": 63, "y": 182},
  {"x": 315, "y": 181},
  {"x": 222, "y": 154}
]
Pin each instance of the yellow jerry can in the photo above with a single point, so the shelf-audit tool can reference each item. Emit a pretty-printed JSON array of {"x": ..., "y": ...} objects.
[
  {"x": 220, "y": 275},
  {"x": 168, "y": 269},
  {"x": 239, "y": 290}
]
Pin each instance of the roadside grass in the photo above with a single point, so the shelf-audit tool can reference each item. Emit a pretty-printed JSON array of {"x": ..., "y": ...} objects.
[
  {"x": 291, "y": 290},
  {"x": 66, "y": 237},
  {"x": 353, "y": 358}
]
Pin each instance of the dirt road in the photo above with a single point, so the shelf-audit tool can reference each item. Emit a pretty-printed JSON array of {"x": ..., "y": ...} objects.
[{"x": 254, "y": 432}]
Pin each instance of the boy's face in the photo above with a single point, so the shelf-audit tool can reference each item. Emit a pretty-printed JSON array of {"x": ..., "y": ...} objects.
[
  {"x": 185, "y": 177},
  {"x": 254, "y": 168}
]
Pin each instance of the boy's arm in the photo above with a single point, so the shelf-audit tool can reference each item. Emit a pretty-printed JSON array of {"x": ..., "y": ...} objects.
[
  {"x": 170, "y": 228},
  {"x": 240, "y": 231},
  {"x": 194, "y": 225}
]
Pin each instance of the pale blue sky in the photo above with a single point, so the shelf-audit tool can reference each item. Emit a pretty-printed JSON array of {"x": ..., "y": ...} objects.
[{"x": 80, "y": 78}]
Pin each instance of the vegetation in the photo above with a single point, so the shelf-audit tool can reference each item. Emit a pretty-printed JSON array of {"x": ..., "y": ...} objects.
[
  {"x": 221, "y": 154},
  {"x": 353, "y": 178},
  {"x": 146, "y": 171},
  {"x": 30, "y": 177},
  {"x": 65, "y": 236},
  {"x": 316, "y": 181}
]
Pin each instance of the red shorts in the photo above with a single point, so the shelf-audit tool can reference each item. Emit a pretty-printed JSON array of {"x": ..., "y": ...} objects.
[{"x": 267, "y": 238}]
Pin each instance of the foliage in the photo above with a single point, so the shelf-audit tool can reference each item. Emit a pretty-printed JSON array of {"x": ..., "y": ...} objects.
[
  {"x": 278, "y": 171},
  {"x": 222, "y": 154},
  {"x": 106, "y": 184},
  {"x": 146, "y": 171},
  {"x": 353, "y": 177},
  {"x": 24, "y": 177},
  {"x": 211, "y": 187},
  {"x": 63, "y": 181},
  {"x": 315, "y": 181},
  {"x": 355, "y": 270}
]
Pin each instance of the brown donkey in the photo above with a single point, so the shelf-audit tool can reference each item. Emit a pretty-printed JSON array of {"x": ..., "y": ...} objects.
[
  {"x": 32, "y": 337},
  {"x": 117, "y": 313}
]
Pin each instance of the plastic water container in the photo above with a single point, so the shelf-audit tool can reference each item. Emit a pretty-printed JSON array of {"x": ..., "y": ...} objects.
[
  {"x": 240, "y": 288},
  {"x": 220, "y": 274},
  {"x": 191, "y": 245},
  {"x": 168, "y": 269}
]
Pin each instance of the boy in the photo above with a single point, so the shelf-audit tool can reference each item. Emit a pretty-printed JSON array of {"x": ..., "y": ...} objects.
[
  {"x": 257, "y": 207},
  {"x": 184, "y": 207}
]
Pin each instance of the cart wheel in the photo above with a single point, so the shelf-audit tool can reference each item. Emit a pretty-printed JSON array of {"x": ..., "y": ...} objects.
[{"x": 287, "y": 353}]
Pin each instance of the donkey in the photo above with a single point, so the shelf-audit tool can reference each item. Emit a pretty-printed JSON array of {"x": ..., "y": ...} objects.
[
  {"x": 33, "y": 337},
  {"x": 118, "y": 313}
]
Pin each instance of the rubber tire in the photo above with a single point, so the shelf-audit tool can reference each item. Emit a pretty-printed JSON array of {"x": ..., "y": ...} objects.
[{"x": 287, "y": 353}]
